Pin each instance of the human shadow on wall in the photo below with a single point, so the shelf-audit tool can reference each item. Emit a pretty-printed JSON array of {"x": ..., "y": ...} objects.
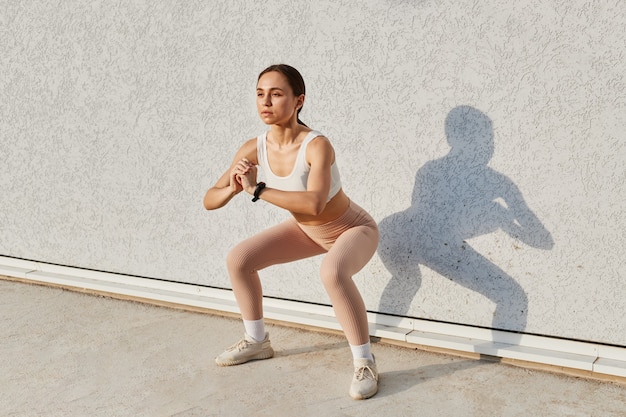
[{"x": 456, "y": 198}]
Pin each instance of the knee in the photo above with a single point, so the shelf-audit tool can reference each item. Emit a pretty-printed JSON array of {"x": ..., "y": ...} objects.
[
  {"x": 331, "y": 279},
  {"x": 236, "y": 261}
]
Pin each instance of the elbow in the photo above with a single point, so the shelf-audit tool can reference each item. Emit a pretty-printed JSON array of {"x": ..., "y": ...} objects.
[
  {"x": 317, "y": 207},
  {"x": 208, "y": 203}
]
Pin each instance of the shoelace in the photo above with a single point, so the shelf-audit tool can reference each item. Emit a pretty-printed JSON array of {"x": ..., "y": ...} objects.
[
  {"x": 239, "y": 346},
  {"x": 365, "y": 372}
]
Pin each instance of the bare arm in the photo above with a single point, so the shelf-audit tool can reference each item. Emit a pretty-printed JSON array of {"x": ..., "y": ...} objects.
[
  {"x": 320, "y": 155},
  {"x": 227, "y": 186}
]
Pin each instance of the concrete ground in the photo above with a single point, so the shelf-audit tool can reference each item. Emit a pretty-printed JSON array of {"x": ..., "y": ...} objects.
[{"x": 64, "y": 353}]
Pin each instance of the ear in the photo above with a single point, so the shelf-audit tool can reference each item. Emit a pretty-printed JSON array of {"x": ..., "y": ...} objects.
[{"x": 300, "y": 102}]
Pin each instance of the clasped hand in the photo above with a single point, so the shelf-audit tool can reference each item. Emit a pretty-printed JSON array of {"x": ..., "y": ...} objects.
[{"x": 244, "y": 174}]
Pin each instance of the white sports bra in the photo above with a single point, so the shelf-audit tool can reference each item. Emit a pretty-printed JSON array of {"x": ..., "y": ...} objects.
[{"x": 297, "y": 179}]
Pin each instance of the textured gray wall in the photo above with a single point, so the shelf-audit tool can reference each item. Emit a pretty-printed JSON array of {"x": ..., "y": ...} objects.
[{"x": 487, "y": 138}]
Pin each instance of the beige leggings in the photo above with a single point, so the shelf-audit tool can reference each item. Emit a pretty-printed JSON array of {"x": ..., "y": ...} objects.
[{"x": 349, "y": 243}]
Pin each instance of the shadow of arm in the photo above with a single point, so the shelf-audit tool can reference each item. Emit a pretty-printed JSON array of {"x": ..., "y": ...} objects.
[{"x": 521, "y": 223}]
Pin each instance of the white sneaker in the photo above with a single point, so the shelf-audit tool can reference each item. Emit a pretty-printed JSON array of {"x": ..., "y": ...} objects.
[
  {"x": 247, "y": 349},
  {"x": 365, "y": 380}
]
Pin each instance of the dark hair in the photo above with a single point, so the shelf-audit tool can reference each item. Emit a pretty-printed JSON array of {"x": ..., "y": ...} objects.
[{"x": 295, "y": 80}]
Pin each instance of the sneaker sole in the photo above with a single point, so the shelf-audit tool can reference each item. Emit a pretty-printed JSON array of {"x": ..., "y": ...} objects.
[
  {"x": 259, "y": 356},
  {"x": 365, "y": 396}
]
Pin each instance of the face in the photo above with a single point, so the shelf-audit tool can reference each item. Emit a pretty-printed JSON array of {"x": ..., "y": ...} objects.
[{"x": 275, "y": 100}]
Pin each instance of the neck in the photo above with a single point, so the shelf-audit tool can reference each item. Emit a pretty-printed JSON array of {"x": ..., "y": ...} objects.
[{"x": 285, "y": 135}]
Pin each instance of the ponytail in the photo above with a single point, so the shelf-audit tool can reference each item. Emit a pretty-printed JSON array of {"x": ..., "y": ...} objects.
[{"x": 300, "y": 122}]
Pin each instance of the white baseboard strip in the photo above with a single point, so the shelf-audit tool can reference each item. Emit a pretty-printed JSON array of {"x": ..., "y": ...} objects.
[{"x": 583, "y": 356}]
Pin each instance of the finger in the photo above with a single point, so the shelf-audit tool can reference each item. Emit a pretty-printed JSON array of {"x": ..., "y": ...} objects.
[{"x": 242, "y": 166}]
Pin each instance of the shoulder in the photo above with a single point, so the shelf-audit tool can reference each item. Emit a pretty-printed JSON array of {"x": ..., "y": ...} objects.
[
  {"x": 319, "y": 147},
  {"x": 319, "y": 142},
  {"x": 248, "y": 150},
  {"x": 316, "y": 138},
  {"x": 250, "y": 144}
]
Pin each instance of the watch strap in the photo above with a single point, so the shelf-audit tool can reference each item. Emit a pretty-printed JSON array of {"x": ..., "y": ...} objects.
[{"x": 257, "y": 191}]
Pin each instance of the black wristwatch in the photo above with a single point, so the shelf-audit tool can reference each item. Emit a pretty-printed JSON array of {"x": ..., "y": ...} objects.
[{"x": 257, "y": 191}]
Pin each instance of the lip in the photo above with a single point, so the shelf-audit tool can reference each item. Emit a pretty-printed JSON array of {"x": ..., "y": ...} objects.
[{"x": 266, "y": 113}]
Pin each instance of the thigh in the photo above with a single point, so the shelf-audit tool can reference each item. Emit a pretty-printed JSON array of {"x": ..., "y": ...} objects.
[
  {"x": 282, "y": 243},
  {"x": 352, "y": 250}
]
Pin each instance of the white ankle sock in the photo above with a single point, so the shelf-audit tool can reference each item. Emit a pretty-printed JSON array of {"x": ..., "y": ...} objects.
[
  {"x": 362, "y": 351},
  {"x": 255, "y": 329}
]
